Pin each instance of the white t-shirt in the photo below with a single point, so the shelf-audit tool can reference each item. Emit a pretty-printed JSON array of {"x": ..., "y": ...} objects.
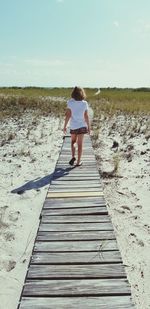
[{"x": 77, "y": 113}]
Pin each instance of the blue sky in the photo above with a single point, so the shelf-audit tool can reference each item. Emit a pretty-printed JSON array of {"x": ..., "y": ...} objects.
[{"x": 95, "y": 43}]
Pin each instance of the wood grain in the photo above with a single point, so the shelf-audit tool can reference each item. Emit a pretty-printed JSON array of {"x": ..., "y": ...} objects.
[
  {"x": 74, "y": 211},
  {"x": 80, "y": 245},
  {"x": 78, "y": 258},
  {"x": 73, "y": 194},
  {"x": 109, "y": 302},
  {"x": 77, "y": 287},
  {"x": 76, "y": 227},
  {"x": 89, "y": 271},
  {"x": 88, "y": 235},
  {"x": 75, "y": 219}
]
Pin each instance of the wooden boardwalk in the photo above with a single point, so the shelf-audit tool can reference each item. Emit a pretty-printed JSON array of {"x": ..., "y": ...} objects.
[{"x": 75, "y": 261}]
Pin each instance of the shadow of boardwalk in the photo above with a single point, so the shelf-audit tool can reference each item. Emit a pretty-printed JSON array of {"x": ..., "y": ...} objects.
[{"x": 41, "y": 182}]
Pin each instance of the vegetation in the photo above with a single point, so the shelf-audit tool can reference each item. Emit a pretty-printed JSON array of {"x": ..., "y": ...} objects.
[
  {"x": 112, "y": 101},
  {"x": 16, "y": 100}
]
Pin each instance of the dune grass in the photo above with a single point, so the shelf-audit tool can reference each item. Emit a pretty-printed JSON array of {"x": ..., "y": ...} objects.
[
  {"x": 14, "y": 101},
  {"x": 121, "y": 101}
]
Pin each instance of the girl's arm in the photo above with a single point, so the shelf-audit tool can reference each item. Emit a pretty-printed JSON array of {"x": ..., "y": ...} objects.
[
  {"x": 86, "y": 117},
  {"x": 68, "y": 115}
]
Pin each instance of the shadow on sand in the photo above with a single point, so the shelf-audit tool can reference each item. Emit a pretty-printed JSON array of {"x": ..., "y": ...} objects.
[{"x": 41, "y": 182}]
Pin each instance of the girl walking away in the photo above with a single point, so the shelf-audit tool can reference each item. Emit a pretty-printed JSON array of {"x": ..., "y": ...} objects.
[{"x": 77, "y": 113}]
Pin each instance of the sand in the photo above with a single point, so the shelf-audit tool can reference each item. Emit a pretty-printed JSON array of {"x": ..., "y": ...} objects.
[
  {"x": 128, "y": 195},
  {"x": 30, "y": 148}
]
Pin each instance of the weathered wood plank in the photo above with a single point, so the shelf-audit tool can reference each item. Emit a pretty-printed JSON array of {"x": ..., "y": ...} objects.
[
  {"x": 79, "y": 245},
  {"x": 109, "y": 302},
  {"x": 92, "y": 235},
  {"x": 76, "y": 271},
  {"x": 75, "y": 183},
  {"x": 78, "y": 258},
  {"x": 72, "y": 204},
  {"x": 74, "y": 189},
  {"x": 74, "y": 219},
  {"x": 74, "y": 172},
  {"x": 77, "y": 178},
  {"x": 73, "y": 194},
  {"x": 74, "y": 211},
  {"x": 77, "y": 287},
  {"x": 76, "y": 227},
  {"x": 85, "y": 163},
  {"x": 85, "y": 157},
  {"x": 75, "y": 202},
  {"x": 84, "y": 167}
]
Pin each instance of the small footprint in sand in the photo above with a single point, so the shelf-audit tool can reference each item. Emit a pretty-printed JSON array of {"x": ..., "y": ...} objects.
[
  {"x": 138, "y": 206},
  {"x": 136, "y": 240},
  {"x": 8, "y": 265},
  {"x": 120, "y": 211},
  {"x": 126, "y": 208},
  {"x": 8, "y": 236},
  {"x": 13, "y": 216}
]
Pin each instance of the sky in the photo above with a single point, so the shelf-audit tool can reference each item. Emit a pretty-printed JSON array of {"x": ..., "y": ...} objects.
[{"x": 63, "y": 43}]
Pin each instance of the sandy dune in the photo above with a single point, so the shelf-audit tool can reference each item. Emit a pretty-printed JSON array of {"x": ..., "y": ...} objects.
[
  {"x": 29, "y": 149},
  {"x": 128, "y": 195}
]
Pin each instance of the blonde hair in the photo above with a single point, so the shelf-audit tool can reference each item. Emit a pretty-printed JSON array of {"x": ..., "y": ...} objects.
[{"x": 78, "y": 94}]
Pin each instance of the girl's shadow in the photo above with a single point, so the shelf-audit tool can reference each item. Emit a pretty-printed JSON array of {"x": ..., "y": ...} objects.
[{"x": 41, "y": 182}]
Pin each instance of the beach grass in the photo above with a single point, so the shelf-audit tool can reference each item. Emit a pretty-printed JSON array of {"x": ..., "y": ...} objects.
[{"x": 16, "y": 100}]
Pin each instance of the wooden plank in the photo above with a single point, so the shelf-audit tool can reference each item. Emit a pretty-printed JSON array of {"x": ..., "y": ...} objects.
[
  {"x": 48, "y": 204},
  {"x": 73, "y": 194},
  {"x": 84, "y": 167},
  {"x": 74, "y": 219},
  {"x": 77, "y": 287},
  {"x": 77, "y": 172},
  {"x": 88, "y": 271},
  {"x": 95, "y": 235},
  {"x": 87, "y": 173},
  {"x": 75, "y": 211},
  {"x": 74, "y": 189},
  {"x": 79, "y": 175},
  {"x": 85, "y": 164},
  {"x": 75, "y": 202},
  {"x": 77, "y": 178},
  {"x": 78, "y": 258},
  {"x": 86, "y": 157},
  {"x": 66, "y": 158},
  {"x": 76, "y": 227},
  {"x": 85, "y": 161},
  {"x": 111, "y": 302},
  {"x": 79, "y": 245},
  {"x": 74, "y": 185}
]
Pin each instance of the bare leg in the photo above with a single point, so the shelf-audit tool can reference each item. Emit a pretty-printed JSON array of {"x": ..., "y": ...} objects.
[
  {"x": 73, "y": 141},
  {"x": 80, "y": 147}
]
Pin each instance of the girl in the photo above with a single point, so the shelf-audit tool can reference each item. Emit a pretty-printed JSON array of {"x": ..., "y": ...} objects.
[{"x": 77, "y": 110}]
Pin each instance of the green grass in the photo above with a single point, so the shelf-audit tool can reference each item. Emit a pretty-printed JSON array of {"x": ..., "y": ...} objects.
[
  {"x": 36, "y": 91},
  {"x": 16, "y": 100},
  {"x": 121, "y": 101}
]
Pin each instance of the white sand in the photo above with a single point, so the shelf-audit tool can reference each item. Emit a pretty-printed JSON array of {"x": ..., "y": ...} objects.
[
  {"x": 29, "y": 157},
  {"x": 128, "y": 197}
]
